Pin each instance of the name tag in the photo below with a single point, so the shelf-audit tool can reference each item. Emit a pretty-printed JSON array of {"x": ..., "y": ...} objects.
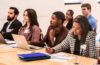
[{"x": 83, "y": 47}]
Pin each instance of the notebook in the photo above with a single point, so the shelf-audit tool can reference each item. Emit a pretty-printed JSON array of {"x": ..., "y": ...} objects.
[{"x": 33, "y": 56}]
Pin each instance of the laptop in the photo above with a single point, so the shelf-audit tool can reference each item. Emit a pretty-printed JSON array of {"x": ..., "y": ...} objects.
[
  {"x": 2, "y": 40},
  {"x": 6, "y": 41},
  {"x": 22, "y": 43}
]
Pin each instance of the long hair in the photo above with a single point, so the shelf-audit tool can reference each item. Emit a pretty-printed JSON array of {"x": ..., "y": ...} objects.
[
  {"x": 32, "y": 17},
  {"x": 85, "y": 26}
]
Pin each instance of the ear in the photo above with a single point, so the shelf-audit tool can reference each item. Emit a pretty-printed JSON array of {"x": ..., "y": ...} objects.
[
  {"x": 60, "y": 21},
  {"x": 16, "y": 16}
]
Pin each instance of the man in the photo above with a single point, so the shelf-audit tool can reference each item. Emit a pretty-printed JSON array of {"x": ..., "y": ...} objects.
[
  {"x": 13, "y": 25},
  {"x": 86, "y": 11},
  {"x": 56, "y": 31}
]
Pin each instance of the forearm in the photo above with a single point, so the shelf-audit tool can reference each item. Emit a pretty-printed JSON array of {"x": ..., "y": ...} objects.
[{"x": 62, "y": 46}]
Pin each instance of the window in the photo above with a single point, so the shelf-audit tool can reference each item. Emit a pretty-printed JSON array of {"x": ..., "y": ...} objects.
[
  {"x": 98, "y": 1},
  {"x": 72, "y": 1}
]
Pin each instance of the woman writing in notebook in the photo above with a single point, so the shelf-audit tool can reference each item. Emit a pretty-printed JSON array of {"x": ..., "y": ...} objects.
[
  {"x": 80, "y": 39},
  {"x": 30, "y": 28}
]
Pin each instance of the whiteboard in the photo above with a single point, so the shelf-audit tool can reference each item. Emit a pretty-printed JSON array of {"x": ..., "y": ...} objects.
[{"x": 72, "y": 1}]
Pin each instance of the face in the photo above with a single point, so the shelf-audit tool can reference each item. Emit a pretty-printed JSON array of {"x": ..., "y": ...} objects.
[
  {"x": 53, "y": 21},
  {"x": 25, "y": 16},
  {"x": 68, "y": 15},
  {"x": 76, "y": 28},
  {"x": 11, "y": 15},
  {"x": 85, "y": 11}
]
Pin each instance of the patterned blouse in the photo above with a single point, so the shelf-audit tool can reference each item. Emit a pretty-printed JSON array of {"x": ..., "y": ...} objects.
[{"x": 69, "y": 43}]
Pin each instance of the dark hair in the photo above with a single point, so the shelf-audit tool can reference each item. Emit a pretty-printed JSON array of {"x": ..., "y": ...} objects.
[
  {"x": 71, "y": 12},
  {"x": 60, "y": 15},
  {"x": 15, "y": 10},
  {"x": 32, "y": 17},
  {"x": 85, "y": 26},
  {"x": 87, "y": 5}
]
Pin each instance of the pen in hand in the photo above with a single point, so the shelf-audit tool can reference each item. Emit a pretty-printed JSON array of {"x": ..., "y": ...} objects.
[
  {"x": 46, "y": 45},
  {"x": 48, "y": 49}
]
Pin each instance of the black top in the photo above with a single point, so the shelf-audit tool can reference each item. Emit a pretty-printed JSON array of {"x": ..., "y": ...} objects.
[
  {"x": 70, "y": 24},
  {"x": 59, "y": 37},
  {"x": 77, "y": 46},
  {"x": 15, "y": 25}
]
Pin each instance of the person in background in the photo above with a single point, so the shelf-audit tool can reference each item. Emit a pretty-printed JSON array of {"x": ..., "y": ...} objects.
[
  {"x": 56, "y": 31},
  {"x": 80, "y": 39},
  {"x": 13, "y": 24},
  {"x": 86, "y": 11},
  {"x": 30, "y": 28},
  {"x": 69, "y": 19}
]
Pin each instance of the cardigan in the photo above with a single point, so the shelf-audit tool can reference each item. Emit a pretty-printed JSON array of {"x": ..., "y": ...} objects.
[{"x": 69, "y": 43}]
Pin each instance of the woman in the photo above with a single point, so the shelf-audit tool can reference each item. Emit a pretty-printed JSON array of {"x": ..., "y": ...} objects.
[
  {"x": 68, "y": 23},
  {"x": 30, "y": 28},
  {"x": 80, "y": 39}
]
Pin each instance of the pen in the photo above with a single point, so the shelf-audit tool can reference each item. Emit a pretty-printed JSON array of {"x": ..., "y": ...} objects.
[{"x": 46, "y": 45}]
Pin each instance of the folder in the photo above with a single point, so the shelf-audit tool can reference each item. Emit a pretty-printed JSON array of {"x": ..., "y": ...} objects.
[{"x": 33, "y": 56}]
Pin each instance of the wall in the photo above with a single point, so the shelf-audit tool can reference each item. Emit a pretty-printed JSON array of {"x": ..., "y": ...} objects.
[{"x": 44, "y": 9}]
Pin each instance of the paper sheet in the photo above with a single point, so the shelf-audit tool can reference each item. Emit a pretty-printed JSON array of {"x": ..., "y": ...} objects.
[{"x": 60, "y": 57}]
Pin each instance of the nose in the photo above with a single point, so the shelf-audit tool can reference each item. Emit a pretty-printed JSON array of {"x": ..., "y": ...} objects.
[
  {"x": 74, "y": 29},
  {"x": 8, "y": 14},
  {"x": 50, "y": 21}
]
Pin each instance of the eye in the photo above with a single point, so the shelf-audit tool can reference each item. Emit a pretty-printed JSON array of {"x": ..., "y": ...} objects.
[
  {"x": 10, "y": 12},
  {"x": 25, "y": 15},
  {"x": 83, "y": 9}
]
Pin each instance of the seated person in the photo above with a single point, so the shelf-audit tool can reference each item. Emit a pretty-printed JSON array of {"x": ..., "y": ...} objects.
[
  {"x": 30, "y": 28},
  {"x": 81, "y": 34},
  {"x": 68, "y": 23},
  {"x": 56, "y": 31},
  {"x": 13, "y": 25}
]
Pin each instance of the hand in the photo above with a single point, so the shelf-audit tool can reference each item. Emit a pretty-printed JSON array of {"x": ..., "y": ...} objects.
[
  {"x": 9, "y": 30},
  {"x": 49, "y": 50},
  {"x": 52, "y": 36}
]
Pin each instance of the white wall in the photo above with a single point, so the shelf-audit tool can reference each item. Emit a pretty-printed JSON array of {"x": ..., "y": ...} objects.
[{"x": 44, "y": 9}]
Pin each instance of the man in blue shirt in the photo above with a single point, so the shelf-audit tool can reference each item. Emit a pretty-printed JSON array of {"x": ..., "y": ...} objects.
[{"x": 86, "y": 11}]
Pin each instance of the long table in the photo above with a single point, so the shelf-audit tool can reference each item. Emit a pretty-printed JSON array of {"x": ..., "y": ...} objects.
[{"x": 8, "y": 56}]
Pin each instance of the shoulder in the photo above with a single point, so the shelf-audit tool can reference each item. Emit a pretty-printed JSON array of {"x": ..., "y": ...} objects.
[
  {"x": 91, "y": 18},
  {"x": 21, "y": 28},
  {"x": 17, "y": 22},
  {"x": 66, "y": 30},
  {"x": 6, "y": 23},
  {"x": 91, "y": 34},
  {"x": 70, "y": 34},
  {"x": 35, "y": 27}
]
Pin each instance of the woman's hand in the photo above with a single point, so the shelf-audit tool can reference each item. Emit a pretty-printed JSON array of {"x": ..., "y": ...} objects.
[{"x": 49, "y": 50}]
